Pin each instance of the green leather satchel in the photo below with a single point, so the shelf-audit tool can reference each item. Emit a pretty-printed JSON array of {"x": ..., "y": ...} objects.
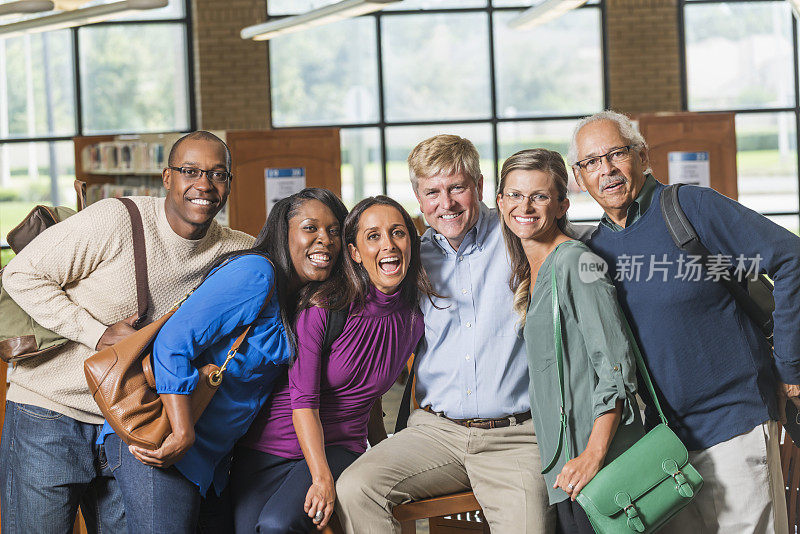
[{"x": 640, "y": 490}]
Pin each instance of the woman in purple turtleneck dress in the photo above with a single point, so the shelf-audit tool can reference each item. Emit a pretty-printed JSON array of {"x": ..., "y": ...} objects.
[{"x": 317, "y": 423}]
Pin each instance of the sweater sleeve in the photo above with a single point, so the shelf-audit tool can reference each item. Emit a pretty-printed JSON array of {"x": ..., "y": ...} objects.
[
  {"x": 726, "y": 227},
  {"x": 63, "y": 254},
  {"x": 304, "y": 376},
  {"x": 226, "y": 302},
  {"x": 593, "y": 299}
]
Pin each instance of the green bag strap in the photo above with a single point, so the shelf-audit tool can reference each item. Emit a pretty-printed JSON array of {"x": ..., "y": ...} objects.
[
  {"x": 643, "y": 370},
  {"x": 558, "y": 343},
  {"x": 563, "y": 434}
]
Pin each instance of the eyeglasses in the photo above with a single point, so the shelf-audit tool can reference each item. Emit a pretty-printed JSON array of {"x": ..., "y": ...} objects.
[
  {"x": 618, "y": 155},
  {"x": 193, "y": 173},
  {"x": 514, "y": 198}
]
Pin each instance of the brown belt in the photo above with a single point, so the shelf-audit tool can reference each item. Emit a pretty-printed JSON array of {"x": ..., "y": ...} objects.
[{"x": 500, "y": 422}]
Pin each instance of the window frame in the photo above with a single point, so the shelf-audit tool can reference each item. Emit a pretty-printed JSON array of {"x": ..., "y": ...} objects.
[
  {"x": 684, "y": 82},
  {"x": 185, "y": 20},
  {"x": 494, "y": 120}
]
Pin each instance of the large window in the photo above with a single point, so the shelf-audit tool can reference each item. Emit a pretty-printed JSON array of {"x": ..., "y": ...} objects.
[
  {"x": 120, "y": 76},
  {"x": 741, "y": 56},
  {"x": 425, "y": 67}
]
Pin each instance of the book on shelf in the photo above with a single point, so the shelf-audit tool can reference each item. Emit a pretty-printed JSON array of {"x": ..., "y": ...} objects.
[
  {"x": 124, "y": 157},
  {"x": 95, "y": 192}
]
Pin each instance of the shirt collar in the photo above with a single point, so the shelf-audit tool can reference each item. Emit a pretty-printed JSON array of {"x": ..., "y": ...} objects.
[
  {"x": 637, "y": 208},
  {"x": 476, "y": 234}
]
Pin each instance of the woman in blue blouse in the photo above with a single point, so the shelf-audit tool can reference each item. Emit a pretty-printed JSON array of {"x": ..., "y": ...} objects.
[{"x": 162, "y": 489}]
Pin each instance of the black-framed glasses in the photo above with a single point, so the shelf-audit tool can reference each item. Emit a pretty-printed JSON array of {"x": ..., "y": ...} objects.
[
  {"x": 617, "y": 155},
  {"x": 515, "y": 197},
  {"x": 193, "y": 173}
]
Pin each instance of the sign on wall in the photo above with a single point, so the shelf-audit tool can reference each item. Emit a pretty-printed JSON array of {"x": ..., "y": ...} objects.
[
  {"x": 279, "y": 183},
  {"x": 689, "y": 168}
]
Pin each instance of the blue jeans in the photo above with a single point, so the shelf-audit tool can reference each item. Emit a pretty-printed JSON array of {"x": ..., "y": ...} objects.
[
  {"x": 269, "y": 491},
  {"x": 49, "y": 465},
  {"x": 157, "y": 501}
]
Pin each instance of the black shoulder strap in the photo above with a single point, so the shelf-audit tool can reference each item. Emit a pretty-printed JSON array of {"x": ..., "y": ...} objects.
[
  {"x": 334, "y": 327},
  {"x": 686, "y": 238},
  {"x": 404, "y": 411}
]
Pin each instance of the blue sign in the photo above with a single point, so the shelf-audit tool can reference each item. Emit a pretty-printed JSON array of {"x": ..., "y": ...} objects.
[{"x": 289, "y": 172}]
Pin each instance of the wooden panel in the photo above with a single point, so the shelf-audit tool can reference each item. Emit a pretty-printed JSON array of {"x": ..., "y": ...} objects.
[
  {"x": 438, "y": 506},
  {"x": 441, "y": 525},
  {"x": 714, "y": 133},
  {"x": 317, "y": 150}
]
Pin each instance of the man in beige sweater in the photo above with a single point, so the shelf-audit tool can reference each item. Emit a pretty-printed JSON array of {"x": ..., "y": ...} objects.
[{"x": 77, "y": 279}]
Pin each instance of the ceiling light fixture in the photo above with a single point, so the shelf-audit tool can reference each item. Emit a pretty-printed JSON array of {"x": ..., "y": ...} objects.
[
  {"x": 78, "y": 17},
  {"x": 544, "y": 12},
  {"x": 316, "y": 17},
  {"x": 22, "y": 7}
]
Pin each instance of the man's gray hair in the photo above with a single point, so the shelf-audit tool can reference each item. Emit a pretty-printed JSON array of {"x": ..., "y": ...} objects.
[{"x": 627, "y": 130}]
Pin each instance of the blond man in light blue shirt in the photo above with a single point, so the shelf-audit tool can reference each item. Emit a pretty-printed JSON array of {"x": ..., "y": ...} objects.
[{"x": 474, "y": 428}]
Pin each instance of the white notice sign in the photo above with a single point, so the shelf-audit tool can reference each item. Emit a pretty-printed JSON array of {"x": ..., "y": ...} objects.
[
  {"x": 280, "y": 183},
  {"x": 689, "y": 168}
]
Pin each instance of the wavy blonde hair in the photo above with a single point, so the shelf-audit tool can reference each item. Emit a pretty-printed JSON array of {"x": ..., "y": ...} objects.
[{"x": 535, "y": 159}]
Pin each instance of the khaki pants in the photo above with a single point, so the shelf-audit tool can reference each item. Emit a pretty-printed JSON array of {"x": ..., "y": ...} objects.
[
  {"x": 434, "y": 457},
  {"x": 743, "y": 488}
]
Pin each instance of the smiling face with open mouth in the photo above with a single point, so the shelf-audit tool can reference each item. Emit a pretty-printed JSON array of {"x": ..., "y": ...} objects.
[
  {"x": 530, "y": 205},
  {"x": 382, "y": 247},
  {"x": 314, "y": 241}
]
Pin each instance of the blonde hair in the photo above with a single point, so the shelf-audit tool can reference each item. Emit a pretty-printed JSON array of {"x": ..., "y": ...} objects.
[
  {"x": 443, "y": 154},
  {"x": 535, "y": 159}
]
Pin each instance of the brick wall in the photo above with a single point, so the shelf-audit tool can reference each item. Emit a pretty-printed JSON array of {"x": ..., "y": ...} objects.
[
  {"x": 231, "y": 74},
  {"x": 643, "y": 55}
]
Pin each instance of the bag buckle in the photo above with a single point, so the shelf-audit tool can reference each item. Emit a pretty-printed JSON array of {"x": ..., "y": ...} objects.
[
  {"x": 634, "y": 521},
  {"x": 682, "y": 486}
]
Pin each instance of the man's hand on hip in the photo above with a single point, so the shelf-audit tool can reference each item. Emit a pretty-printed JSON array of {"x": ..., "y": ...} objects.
[{"x": 117, "y": 332}]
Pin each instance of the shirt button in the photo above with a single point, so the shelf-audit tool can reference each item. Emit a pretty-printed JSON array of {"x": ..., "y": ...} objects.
[
  {"x": 469, "y": 392},
  {"x": 461, "y": 258},
  {"x": 466, "y": 357},
  {"x": 616, "y": 367},
  {"x": 469, "y": 325},
  {"x": 464, "y": 291}
]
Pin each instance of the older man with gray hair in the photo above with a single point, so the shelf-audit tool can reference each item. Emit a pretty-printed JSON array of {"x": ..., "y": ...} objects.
[{"x": 720, "y": 382}]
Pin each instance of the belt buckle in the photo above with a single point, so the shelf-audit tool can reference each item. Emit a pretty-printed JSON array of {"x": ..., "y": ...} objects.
[{"x": 512, "y": 420}]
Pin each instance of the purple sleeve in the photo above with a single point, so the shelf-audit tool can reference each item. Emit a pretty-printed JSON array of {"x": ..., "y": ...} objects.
[{"x": 304, "y": 376}]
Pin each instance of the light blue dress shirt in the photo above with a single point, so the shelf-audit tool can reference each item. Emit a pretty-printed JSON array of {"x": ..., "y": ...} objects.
[{"x": 472, "y": 361}]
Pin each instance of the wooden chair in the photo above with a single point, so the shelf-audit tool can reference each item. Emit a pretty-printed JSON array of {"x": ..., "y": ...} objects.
[{"x": 450, "y": 514}]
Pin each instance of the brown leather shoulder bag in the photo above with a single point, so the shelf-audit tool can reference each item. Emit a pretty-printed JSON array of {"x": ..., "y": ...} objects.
[{"x": 122, "y": 383}]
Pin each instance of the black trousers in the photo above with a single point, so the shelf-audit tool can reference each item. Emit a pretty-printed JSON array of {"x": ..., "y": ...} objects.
[
  {"x": 268, "y": 491},
  {"x": 572, "y": 519}
]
